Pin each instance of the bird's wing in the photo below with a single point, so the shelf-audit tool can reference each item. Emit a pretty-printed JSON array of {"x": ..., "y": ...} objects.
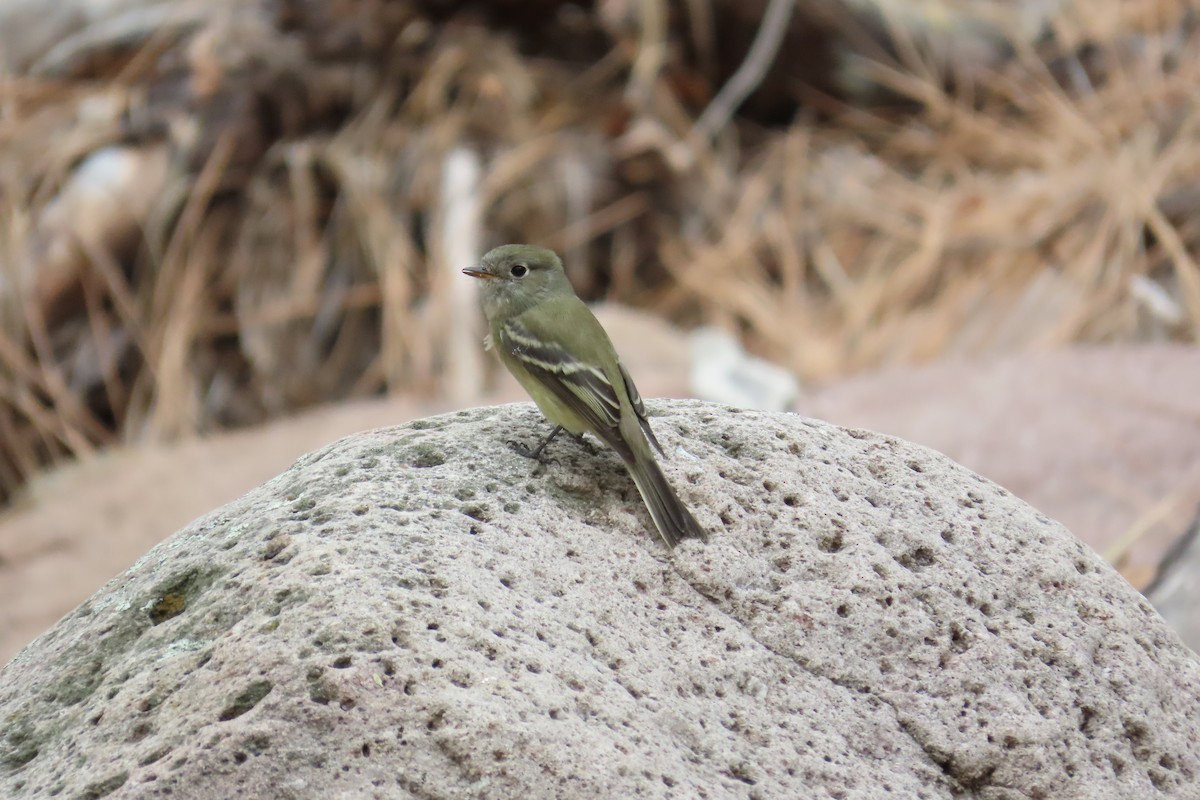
[
  {"x": 568, "y": 361},
  {"x": 639, "y": 408},
  {"x": 581, "y": 386}
]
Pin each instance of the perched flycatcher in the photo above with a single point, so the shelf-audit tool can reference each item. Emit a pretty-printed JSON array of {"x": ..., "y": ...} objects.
[{"x": 555, "y": 347}]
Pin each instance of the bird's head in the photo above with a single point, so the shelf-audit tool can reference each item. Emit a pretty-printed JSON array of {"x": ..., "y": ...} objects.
[{"x": 518, "y": 276}]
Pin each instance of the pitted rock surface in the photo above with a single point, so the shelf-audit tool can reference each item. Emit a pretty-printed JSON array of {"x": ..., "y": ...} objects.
[{"x": 419, "y": 612}]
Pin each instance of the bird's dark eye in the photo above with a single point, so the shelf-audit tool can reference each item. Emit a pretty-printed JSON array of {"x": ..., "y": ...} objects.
[{"x": 519, "y": 270}]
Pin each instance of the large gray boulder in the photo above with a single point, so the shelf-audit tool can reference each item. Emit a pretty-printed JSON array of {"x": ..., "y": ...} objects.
[{"x": 419, "y": 612}]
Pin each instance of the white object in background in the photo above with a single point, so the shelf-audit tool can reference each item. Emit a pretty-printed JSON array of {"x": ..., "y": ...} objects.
[
  {"x": 723, "y": 372},
  {"x": 461, "y": 233}
]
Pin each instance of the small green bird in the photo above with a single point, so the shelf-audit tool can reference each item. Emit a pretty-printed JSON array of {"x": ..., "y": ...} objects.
[{"x": 556, "y": 348}]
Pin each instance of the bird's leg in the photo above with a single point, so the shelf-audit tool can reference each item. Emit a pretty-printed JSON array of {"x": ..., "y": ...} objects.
[{"x": 535, "y": 453}]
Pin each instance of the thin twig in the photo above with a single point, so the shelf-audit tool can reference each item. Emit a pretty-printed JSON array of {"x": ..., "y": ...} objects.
[{"x": 750, "y": 73}]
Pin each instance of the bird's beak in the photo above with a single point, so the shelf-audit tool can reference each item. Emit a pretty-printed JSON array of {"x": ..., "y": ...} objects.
[{"x": 476, "y": 272}]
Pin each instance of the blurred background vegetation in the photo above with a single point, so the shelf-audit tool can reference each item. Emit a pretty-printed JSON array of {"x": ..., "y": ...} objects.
[{"x": 212, "y": 213}]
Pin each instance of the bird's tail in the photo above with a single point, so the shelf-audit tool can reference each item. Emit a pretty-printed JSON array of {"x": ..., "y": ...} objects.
[{"x": 670, "y": 515}]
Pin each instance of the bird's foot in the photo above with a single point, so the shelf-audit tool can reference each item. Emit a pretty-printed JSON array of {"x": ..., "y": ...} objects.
[
  {"x": 536, "y": 452},
  {"x": 525, "y": 451}
]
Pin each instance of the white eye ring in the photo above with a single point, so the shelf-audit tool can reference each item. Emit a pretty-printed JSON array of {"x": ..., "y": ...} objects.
[{"x": 519, "y": 270}]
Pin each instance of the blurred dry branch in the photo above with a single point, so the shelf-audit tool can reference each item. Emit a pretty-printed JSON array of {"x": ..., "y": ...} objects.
[{"x": 211, "y": 213}]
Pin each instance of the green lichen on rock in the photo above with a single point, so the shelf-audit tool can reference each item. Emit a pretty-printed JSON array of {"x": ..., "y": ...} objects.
[
  {"x": 20, "y": 743},
  {"x": 171, "y": 597},
  {"x": 247, "y": 699},
  {"x": 94, "y": 791},
  {"x": 425, "y": 456}
]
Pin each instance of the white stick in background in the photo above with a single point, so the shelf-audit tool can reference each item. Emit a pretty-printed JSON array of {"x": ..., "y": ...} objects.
[{"x": 460, "y": 235}]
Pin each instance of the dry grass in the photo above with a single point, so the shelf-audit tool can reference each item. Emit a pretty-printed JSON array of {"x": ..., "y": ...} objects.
[{"x": 237, "y": 216}]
